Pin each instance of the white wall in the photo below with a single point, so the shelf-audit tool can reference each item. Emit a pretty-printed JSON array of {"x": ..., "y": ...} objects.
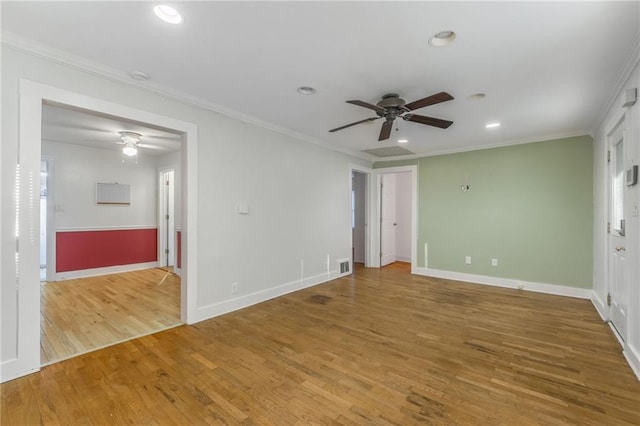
[
  {"x": 79, "y": 168},
  {"x": 403, "y": 217},
  {"x": 600, "y": 251},
  {"x": 296, "y": 192}
]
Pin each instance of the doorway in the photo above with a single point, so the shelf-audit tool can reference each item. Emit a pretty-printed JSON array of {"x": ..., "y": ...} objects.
[
  {"x": 27, "y": 300},
  {"x": 395, "y": 218},
  {"x": 365, "y": 188}
]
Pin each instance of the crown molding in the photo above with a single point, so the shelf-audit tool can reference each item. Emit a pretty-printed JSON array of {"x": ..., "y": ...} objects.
[
  {"x": 69, "y": 60},
  {"x": 625, "y": 73},
  {"x": 504, "y": 144}
]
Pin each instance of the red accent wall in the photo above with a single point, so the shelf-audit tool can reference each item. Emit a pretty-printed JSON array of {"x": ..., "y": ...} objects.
[
  {"x": 98, "y": 249},
  {"x": 179, "y": 248}
]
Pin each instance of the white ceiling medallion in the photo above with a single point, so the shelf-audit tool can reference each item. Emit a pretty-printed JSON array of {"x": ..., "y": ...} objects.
[{"x": 168, "y": 14}]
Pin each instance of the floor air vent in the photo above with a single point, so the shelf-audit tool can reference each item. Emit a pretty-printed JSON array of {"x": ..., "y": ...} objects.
[{"x": 344, "y": 267}]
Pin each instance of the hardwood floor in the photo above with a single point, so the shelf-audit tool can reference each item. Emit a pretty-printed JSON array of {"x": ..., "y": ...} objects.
[
  {"x": 383, "y": 347},
  {"x": 81, "y": 315}
]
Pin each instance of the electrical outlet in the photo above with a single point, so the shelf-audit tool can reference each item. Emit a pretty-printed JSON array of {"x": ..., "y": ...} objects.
[
  {"x": 234, "y": 288},
  {"x": 494, "y": 262},
  {"x": 467, "y": 260}
]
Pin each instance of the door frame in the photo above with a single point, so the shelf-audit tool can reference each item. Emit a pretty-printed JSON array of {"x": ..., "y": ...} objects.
[
  {"x": 610, "y": 128},
  {"x": 51, "y": 217},
  {"x": 369, "y": 173},
  {"x": 413, "y": 169},
  {"x": 372, "y": 213},
  {"x": 162, "y": 231},
  {"x": 32, "y": 96}
]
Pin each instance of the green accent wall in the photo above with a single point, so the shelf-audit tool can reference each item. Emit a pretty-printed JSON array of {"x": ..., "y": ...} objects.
[{"x": 530, "y": 206}]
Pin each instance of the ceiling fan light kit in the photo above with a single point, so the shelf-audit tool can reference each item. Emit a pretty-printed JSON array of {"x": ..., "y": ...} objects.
[
  {"x": 130, "y": 142},
  {"x": 391, "y": 106}
]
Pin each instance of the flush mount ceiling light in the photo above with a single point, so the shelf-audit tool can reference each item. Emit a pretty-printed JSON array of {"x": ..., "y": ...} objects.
[
  {"x": 306, "y": 90},
  {"x": 443, "y": 38},
  {"x": 168, "y": 14},
  {"x": 139, "y": 75},
  {"x": 403, "y": 140},
  {"x": 492, "y": 125}
]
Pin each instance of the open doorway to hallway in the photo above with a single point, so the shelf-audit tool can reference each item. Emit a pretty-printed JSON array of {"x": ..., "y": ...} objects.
[
  {"x": 383, "y": 217},
  {"x": 395, "y": 220}
]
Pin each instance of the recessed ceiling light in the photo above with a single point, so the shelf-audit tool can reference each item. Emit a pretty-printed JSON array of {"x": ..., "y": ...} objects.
[
  {"x": 476, "y": 96},
  {"x": 306, "y": 90},
  {"x": 168, "y": 14},
  {"x": 442, "y": 38},
  {"x": 492, "y": 125},
  {"x": 403, "y": 140},
  {"x": 139, "y": 75}
]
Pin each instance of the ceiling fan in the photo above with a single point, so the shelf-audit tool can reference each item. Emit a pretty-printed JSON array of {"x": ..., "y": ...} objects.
[
  {"x": 131, "y": 143},
  {"x": 391, "y": 106}
]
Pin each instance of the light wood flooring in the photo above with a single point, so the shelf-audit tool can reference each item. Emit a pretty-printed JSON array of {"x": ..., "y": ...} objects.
[
  {"x": 85, "y": 314},
  {"x": 383, "y": 347}
]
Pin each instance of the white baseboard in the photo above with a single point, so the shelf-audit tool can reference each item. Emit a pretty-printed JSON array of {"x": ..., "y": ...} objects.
[
  {"x": 14, "y": 368},
  {"x": 600, "y": 306},
  {"x": 633, "y": 358},
  {"x": 559, "y": 290},
  {"x": 403, "y": 258},
  {"x": 226, "y": 306},
  {"x": 84, "y": 273}
]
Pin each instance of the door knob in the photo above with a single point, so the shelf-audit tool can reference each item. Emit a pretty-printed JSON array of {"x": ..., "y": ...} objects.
[{"x": 620, "y": 248}]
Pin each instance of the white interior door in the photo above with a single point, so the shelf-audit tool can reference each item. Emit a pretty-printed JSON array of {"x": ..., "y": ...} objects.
[
  {"x": 167, "y": 223},
  {"x": 387, "y": 219},
  {"x": 618, "y": 285}
]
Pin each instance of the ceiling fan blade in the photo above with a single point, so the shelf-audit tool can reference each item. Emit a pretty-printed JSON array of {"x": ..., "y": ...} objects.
[
  {"x": 430, "y": 121},
  {"x": 429, "y": 100},
  {"x": 385, "y": 132},
  {"x": 367, "y": 105},
  {"x": 353, "y": 124},
  {"x": 149, "y": 146}
]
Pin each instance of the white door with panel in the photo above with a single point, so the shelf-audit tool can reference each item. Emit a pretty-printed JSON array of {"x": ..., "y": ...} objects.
[
  {"x": 618, "y": 285},
  {"x": 387, "y": 219}
]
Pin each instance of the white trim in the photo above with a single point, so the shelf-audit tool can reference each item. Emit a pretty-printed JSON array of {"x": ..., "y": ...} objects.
[
  {"x": 513, "y": 142},
  {"x": 94, "y": 272},
  {"x": 221, "y": 308},
  {"x": 31, "y": 96},
  {"x": 72, "y": 61},
  {"x": 623, "y": 77},
  {"x": 601, "y": 308},
  {"x": 632, "y": 356},
  {"x": 375, "y": 211},
  {"x": 616, "y": 334},
  {"x": 559, "y": 290},
  {"x": 106, "y": 228},
  {"x": 403, "y": 259},
  {"x": 368, "y": 248}
]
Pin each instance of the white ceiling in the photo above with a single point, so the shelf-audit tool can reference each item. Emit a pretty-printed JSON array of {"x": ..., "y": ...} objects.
[
  {"x": 548, "y": 69},
  {"x": 79, "y": 127}
]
